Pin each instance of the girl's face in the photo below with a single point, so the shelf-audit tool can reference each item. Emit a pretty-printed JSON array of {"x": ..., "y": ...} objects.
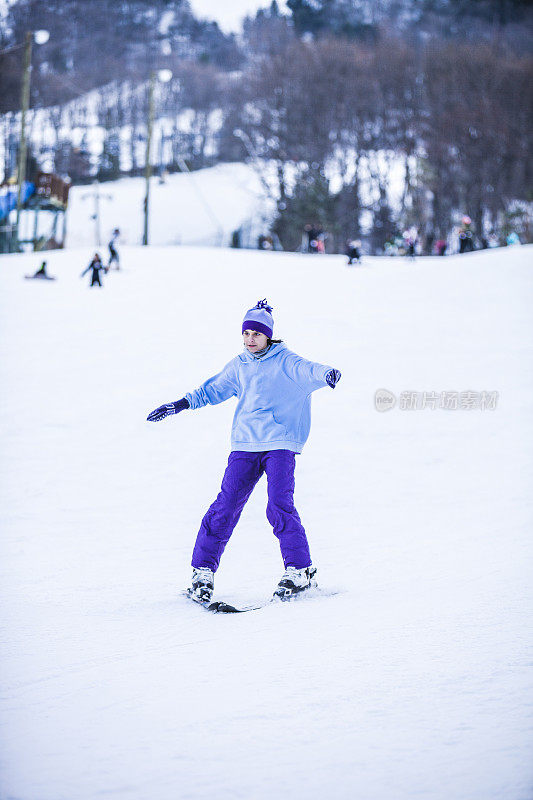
[{"x": 254, "y": 341}]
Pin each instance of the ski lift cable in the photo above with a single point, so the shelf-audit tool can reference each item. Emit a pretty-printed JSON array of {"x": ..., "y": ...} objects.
[{"x": 183, "y": 166}]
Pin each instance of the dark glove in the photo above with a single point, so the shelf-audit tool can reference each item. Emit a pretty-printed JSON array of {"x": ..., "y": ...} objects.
[
  {"x": 333, "y": 377},
  {"x": 168, "y": 409}
]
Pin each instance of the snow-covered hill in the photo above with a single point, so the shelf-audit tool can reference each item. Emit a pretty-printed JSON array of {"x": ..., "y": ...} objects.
[
  {"x": 414, "y": 680},
  {"x": 199, "y": 208},
  {"x": 203, "y": 207}
]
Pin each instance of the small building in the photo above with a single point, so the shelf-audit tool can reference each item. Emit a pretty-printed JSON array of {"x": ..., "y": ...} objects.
[{"x": 43, "y": 218}]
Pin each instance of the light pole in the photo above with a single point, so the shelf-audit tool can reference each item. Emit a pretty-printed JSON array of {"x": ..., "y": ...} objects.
[
  {"x": 163, "y": 75},
  {"x": 96, "y": 196},
  {"x": 41, "y": 37}
]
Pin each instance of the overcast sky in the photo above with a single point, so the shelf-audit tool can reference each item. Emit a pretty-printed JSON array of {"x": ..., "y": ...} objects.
[{"x": 229, "y": 13}]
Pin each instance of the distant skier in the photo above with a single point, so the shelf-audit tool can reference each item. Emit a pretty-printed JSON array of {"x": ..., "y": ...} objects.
[
  {"x": 265, "y": 242},
  {"x": 353, "y": 251},
  {"x": 440, "y": 246},
  {"x": 315, "y": 236},
  {"x": 466, "y": 236},
  {"x": 410, "y": 241},
  {"x": 272, "y": 420},
  {"x": 114, "y": 257},
  {"x": 512, "y": 239},
  {"x": 96, "y": 266},
  {"x": 41, "y": 274}
]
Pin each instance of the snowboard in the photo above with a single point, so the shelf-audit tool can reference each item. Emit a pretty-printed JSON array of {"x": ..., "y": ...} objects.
[
  {"x": 219, "y": 606},
  {"x": 39, "y": 277}
]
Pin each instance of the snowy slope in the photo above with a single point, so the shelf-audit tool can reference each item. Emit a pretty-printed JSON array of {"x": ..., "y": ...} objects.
[
  {"x": 413, "y": 681},
  {"x": 202, "y": 207}
]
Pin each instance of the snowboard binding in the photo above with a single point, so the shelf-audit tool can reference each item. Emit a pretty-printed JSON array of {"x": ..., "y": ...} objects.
[{"x": 294, "y": 582}]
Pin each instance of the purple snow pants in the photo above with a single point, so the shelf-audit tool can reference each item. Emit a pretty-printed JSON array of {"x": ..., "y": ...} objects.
[{"x": 242, "y": 473}]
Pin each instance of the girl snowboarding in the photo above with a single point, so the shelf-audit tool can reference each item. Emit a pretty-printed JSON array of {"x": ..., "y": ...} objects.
[{"x": 271, "y": 424}]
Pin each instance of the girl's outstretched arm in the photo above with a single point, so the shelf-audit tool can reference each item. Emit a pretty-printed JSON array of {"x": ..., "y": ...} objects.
[
  {"x": 310, "y": 375},
  {"x": 216, "y": 389}
]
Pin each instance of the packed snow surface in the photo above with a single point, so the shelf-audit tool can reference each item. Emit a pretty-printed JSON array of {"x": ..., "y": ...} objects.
[{"x": 409, "y": 677}]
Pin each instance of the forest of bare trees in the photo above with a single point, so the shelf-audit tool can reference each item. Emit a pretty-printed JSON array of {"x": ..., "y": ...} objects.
[
  {"x": 457, "y": 115},
  {"x": 327, "y": 106}
]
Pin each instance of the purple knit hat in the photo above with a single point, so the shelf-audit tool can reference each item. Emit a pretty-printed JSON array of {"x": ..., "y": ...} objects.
[{"x": 259, "y": 318}]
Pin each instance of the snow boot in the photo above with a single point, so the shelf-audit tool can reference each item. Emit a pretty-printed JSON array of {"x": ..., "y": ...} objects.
[
  {"x": 203, "y": 584},
  {"x": 293, "y": 581}
]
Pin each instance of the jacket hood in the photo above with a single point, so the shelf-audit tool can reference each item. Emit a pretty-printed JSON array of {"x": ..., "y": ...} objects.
[{"x": 275, "y": 350}]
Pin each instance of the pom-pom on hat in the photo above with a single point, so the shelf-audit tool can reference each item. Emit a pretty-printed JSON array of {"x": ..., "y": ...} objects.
[{"x": 259, "y": 318}]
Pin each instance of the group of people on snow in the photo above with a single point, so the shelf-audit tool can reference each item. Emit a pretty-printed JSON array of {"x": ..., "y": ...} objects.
[
  {"x": 96, "y": 266},
  {"x": 314, "y": 237}
]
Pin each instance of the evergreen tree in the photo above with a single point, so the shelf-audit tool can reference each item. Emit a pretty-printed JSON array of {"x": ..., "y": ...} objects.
[
  {"x": 499, "y": 12},
  {"x": 306, "y": 15},
  {"x": 109, "y": 164},
  {"x": 310, "y": 203}
]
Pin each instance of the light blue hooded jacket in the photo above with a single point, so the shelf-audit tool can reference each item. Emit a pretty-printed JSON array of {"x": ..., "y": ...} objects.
[{"x": 273, "y": 398}]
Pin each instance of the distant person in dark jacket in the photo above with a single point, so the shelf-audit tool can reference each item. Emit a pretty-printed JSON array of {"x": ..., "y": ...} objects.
[
  {"x": 466, "y": 236},
  {"x": 265, "y": 242},
  {"x": 314, "y": 233},
  {"x": 114, "y": 257},
  {"x": 353, "y": 251},
  {"x": 96, "y": 266},
  {"x": 41, "y": 272}
]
